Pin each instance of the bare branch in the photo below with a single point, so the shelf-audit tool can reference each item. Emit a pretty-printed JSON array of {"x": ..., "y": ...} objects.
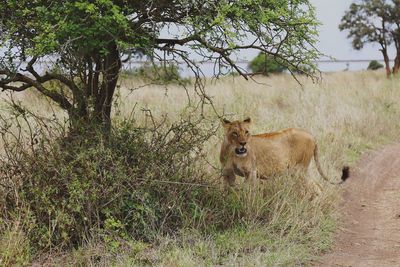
[{"x": 29, "y": 82}]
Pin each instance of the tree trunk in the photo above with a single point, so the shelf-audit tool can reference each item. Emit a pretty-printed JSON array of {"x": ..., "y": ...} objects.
[
  {"x": 110, "y": 67},
  {"x": 387, "y": 62},
  {"x": 396, "y": 63},
  {"x": 100, "y": 77},
  {"x": 397, "y": 58}
]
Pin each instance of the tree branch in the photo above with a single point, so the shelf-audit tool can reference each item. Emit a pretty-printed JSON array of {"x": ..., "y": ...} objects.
[
  {"x": 171, "y": 42},
  {"x": 29, "y": 82}
]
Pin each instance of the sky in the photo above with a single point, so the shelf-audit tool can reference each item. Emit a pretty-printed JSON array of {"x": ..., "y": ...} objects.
[{"x": 333, "y": 42}]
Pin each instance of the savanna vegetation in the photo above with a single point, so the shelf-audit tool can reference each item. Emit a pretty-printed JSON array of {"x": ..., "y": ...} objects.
[
  {"x": 100, "y": 166},
  {"x": 147, "y": 197},
  {"x": 80, "y": 176}
]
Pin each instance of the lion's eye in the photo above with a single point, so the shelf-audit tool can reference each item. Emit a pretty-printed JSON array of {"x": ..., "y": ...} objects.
[
  {"x": 235, "y": 135},
  {"x": 247, "y": 132}
]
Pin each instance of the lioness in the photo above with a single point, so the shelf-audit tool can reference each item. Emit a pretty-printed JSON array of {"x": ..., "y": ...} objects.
[{"x": 264, "y": 155}]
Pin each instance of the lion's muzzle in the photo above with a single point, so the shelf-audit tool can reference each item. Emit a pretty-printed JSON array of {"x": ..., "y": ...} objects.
[{"x": 241, "y": 151}]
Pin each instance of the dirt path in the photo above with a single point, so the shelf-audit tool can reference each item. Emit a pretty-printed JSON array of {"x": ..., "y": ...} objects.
[{"x": 370, "y": 232}]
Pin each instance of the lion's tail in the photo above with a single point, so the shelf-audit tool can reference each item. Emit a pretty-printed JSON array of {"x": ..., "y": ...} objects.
[{"x": 345, "y": 170}]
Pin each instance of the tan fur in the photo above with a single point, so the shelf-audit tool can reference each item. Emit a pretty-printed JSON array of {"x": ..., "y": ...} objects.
[{"x": 267, "y": 154}]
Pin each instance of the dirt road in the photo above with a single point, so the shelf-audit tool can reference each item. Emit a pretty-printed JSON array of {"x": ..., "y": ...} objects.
[{"x": 370, "y": 229}]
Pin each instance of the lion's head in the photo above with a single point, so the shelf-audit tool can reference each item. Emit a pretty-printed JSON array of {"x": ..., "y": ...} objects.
[{"x": 237, "y": 133}]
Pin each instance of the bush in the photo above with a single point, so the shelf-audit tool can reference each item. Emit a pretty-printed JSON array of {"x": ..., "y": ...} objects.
[
  {"x": 164, "y": 74},
  {"x": 138, "y": 183},
  {"x": 266, "y": 64},
  {"x": 374, "y": 65}
]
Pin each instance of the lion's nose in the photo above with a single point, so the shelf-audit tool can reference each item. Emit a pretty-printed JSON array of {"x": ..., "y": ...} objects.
[{"x": 242, "y": 143}]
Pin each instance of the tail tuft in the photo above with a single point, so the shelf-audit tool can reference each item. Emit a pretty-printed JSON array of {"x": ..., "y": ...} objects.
[{"x": 345, "y": 173}]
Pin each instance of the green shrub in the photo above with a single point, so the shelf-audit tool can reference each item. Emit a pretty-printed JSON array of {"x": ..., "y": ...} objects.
[
  {"x": 266, "y": 64},
  {"x": 374, "y": 65},
  {"x": 157, "y": 73},
  {"x": 138, "y": 183}
]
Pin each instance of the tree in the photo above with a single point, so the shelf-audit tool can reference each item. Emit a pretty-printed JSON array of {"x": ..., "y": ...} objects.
[
  {"x": 87, "y": 41},
  {"x": 265, "y": 65},
  {"x": 368, "y": 22},
  {"x": 374, "y": 65},
  {"x": 395, "y": 20},
  {"x": 375, "y": 21}
]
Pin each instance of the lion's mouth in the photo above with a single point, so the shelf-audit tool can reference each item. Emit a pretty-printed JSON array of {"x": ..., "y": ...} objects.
[{"x": 241, "y": 151}]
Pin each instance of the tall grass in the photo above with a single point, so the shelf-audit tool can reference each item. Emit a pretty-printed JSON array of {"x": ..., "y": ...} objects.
[
  {"x": 347, "y": 111},
  {"x": 286, "y": 221}
]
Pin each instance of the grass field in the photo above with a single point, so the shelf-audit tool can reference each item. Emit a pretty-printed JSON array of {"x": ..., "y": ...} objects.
[{"x": 348, "y": 112}]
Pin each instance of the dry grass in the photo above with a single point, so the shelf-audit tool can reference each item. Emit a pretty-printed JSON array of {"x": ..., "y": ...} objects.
[
  {"x": 14, "y": 246},
  {"x": 347, "y": 112}
]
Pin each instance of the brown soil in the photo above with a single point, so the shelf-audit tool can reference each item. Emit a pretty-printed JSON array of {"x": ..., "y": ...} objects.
[{"x": 370, "y": 213}]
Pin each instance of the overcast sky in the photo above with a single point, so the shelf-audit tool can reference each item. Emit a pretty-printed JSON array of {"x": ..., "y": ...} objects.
[{"x": 334, "y": 43}]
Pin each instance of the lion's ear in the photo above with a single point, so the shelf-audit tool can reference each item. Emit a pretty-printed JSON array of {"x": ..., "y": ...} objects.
[
  {"x": 247, "y": 120},
  {"x": 225, "y": 121}
]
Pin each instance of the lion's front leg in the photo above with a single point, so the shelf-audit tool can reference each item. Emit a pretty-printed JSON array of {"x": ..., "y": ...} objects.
[
  {"x": 229, "y": 178},
  {"x": 251, "y": 176},
  {"x": 251, "y": 171}
]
